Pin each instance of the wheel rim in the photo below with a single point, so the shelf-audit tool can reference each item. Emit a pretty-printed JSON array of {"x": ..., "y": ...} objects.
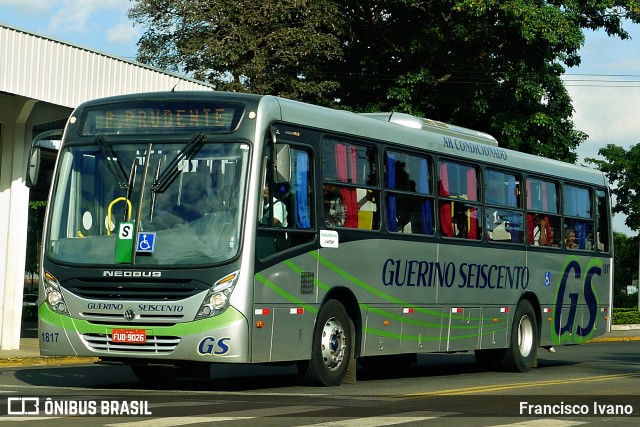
[
  {"x": 333, "y": 343},
  {"x": 525, "y": 336}
]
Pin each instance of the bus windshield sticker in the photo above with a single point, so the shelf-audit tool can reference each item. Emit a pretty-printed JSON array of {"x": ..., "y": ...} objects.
[
  {"x": 146, "y": 242},
  {"x": 124, "y": 242},
  {"x": 329, "y": 239}
]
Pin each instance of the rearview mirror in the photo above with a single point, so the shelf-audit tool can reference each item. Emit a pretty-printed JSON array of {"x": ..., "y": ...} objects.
[
  {"x": 33, "y": 167},
  {"x": 282, "y": 164}
]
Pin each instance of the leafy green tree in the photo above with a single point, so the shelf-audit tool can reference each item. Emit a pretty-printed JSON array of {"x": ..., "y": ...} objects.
[
  {"x": 245, "y": 45},
  {"x": 625, "y": 269},
  {"x": 492, "y": 65},
  {"x": 622, "y": 168}
]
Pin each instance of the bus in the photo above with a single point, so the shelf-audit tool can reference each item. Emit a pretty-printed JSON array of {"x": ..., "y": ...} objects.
[{"x": 189, "y": 229}]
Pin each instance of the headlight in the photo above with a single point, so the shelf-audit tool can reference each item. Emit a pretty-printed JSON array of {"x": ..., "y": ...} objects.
[
  {"x": 217, "y": 299},
  {"x": 53, "y": 295}
]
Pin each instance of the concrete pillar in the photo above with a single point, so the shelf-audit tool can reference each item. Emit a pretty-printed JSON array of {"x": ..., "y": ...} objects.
[{"x": 15, "y": 141}]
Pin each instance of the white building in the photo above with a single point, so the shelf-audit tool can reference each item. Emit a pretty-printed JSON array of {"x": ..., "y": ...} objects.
[{"x": 41, "y": 81}]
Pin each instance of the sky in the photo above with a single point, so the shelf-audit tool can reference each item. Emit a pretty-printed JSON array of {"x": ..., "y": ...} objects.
[{"x": 605, "y": 88}]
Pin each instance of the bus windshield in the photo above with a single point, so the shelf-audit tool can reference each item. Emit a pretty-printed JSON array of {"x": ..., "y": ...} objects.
[{"x": 183, "y": 206}]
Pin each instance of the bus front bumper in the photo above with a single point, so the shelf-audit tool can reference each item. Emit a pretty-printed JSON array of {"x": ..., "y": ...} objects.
[{"x": 219, "y": 339}]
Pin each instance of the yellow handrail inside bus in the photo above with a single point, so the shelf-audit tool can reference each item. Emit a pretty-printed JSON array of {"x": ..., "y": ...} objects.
[{"x": 119, "y": 199}]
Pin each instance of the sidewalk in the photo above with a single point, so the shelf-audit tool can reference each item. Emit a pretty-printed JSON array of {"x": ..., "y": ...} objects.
[{"x": 29, "y": 352}]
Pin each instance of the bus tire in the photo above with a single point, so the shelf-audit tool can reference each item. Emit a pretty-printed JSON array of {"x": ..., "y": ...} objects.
[
  {"x": 332, "y": 346},
  {"x": 521, "y": 353}
]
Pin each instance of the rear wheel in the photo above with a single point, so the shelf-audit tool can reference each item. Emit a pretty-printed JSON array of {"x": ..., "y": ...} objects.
[
  {"x": 522, "y": 351},
  {"x": 332, "y": 346}
]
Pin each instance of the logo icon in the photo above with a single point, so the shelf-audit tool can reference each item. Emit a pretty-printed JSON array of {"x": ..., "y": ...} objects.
[
  {"x": 23, "y": 406},
  {"x": 129, "y": 314}
]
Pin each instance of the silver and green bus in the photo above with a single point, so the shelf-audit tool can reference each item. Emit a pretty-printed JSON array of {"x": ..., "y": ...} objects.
[{"x": 198, "y": 228}]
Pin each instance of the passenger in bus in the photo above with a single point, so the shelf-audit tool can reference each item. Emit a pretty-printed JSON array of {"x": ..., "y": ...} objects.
[
  {"x": 540, "y": 232},
  {"x": 279, "y": 210},
  {"x": 335, "y": 212},
  {"x": 570, "y": 242},
  {"x": 553, "y": 241}
]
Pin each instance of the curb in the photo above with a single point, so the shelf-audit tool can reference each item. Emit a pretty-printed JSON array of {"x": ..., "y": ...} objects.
[
  {"x": 14, "y": 362},
  {"x": 614, "y": 339},
  {"x": 627, "y": 327}
]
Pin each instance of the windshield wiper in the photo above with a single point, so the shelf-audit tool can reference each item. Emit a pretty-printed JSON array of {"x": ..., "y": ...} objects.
[
  {"x": 162, "y": 181},
  {"x": 171, "y": 171},
  {"x": 117, "y": 170},
  {"x": 154, "y": 195}
]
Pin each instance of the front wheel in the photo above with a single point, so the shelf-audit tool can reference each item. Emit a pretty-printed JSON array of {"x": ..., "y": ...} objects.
[
  {"x": 522, "y": 351},
  {"x": 332, "y": 346}
]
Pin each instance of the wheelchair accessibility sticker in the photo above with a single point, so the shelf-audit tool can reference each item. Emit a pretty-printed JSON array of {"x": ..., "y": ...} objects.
[{"x": 146, "y": 242}]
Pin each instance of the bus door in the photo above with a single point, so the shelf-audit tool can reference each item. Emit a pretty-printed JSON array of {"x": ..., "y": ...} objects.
[{"x": 286, "y": 269}]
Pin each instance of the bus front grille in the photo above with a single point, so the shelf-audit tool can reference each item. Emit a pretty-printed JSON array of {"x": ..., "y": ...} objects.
[
  {"x": 154, "y": 344},
  {"x": 130, "y": 290}
]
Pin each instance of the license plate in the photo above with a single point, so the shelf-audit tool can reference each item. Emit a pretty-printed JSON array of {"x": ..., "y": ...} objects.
[{"x": 131, "y": 336}]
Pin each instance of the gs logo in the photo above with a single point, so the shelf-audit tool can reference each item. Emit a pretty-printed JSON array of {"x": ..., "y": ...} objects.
[
  {"x": 209, "y": 345},
  {"x": 573, "y": 270}
]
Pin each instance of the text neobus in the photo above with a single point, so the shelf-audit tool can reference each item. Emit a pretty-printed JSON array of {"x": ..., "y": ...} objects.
[{"x": 433, "y": 273}]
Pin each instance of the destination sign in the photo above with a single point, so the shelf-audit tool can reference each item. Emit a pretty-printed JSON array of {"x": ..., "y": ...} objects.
[{"x": 162, "y": 117}]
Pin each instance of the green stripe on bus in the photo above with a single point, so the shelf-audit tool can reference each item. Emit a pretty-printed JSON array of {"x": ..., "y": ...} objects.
[{"x": 284, "y": 294}]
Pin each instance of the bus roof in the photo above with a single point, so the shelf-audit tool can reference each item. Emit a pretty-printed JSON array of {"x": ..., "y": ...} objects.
[
  {"x": 403, "y": 129},
  {"x": 438, "y": 137}
]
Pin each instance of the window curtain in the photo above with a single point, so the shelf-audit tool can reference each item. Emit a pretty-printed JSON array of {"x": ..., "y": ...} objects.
[
  {"x": 302, "y": 196},
  {"x": 530, "y": 227},
  {"x": 346, "y": 167},
  {"x": 426, "y": 217},
  {"x": 583, "y": 208},
  {"x": 513, "y": 225},
  {"x": 446, "y": 222},
  {"x": 582, "y": 230},
  {"x": 472, "y": 193},
  {"x": 392, "y": 217}
]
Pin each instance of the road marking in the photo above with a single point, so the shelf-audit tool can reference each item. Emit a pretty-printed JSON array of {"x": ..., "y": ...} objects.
[
  {"x": 388, "y": 420},
  {"x": 223, "y": 416},
  {"x": 482, "y": 389}
]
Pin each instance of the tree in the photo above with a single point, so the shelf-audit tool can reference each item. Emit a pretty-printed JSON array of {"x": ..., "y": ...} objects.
[
  {"x": 244, "y": 45},
  {"x": 622, "y": 169},
  {"x": 625, "y": 269},
  {"x": 492, "y": 65}
]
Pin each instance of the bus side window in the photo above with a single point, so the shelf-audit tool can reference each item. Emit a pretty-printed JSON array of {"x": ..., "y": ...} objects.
[
  {"x": 408, "y": 198},
  {"x": 460, "y": 213},
  {"x": 602, "y": 234},
  {"x": 543, "y": 225},
  {"x": 287, "y": 207},
  {"x": 578, "y": 222},
  {"x": 505, "y": 222},
  {"x": 350, "y": 188}
]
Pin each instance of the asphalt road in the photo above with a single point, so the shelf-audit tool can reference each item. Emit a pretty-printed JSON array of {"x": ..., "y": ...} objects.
[{"x": 575, "y": 385}]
